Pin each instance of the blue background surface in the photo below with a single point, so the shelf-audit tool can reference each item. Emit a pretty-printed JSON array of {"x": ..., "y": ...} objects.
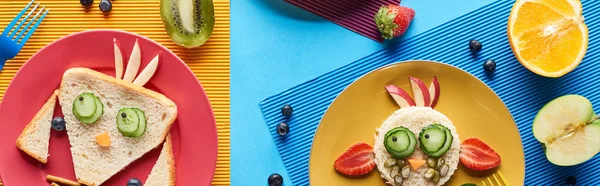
[{"x": 275, "y": 46}]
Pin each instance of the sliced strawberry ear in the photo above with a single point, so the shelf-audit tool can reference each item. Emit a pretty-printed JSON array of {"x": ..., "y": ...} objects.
[
  {"x": 357, "y": 160},
  {"x": 477, "y": 155}
]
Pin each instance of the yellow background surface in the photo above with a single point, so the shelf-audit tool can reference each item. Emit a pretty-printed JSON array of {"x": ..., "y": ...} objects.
[{"x": 210, "y": 63}]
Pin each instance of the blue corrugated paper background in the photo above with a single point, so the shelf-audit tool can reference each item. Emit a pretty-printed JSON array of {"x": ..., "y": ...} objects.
[{"x": 523, "y": 92}]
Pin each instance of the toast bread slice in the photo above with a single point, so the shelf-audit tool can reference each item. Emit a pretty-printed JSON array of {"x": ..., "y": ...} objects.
[
  {"x": 163, "y": 172},
  {"x": 95, "y": 164},
  {"x": 35, "y": 138}
]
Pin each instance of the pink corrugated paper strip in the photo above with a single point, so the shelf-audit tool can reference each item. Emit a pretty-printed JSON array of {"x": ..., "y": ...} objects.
[{"x": 355, "y": 15}]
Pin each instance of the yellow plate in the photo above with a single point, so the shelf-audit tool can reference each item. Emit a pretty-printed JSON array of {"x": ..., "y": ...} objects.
[{"x": 363, "y": 106}]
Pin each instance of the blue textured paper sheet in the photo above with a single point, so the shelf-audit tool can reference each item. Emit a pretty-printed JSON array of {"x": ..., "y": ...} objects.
[{"x": 521, "y": 90}]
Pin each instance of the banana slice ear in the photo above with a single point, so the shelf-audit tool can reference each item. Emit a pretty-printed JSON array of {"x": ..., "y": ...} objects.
[
  {"x": 118, "y": 58},
  {"x": 133, "y": 66},
  {"x": 148, "y": 72}
]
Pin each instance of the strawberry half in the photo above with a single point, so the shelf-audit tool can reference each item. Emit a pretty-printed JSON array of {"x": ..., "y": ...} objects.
[
  {"x": 356, "y": 161},
  {"x": 393, "y": 20},
  {"x": 477, "y": 155}
]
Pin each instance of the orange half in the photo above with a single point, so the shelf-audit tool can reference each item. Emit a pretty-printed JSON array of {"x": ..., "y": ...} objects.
[{"x": 548, "y": 37}]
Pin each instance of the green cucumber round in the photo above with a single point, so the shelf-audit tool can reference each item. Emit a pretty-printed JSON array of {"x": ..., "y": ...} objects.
[
  {"x": 432, "y": 138},
  {"x": 84, "y": 105},
  {"x": 400, "y": 142},
  {"x": 128, "y": 121},
  {"x": 435, "y": 140},
  {"x": 142, "y": 126},
  {"x": 92, "y": 119}
]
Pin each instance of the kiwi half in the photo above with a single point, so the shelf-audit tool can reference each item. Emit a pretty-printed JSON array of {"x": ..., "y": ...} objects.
[{"x": 189, "y": 23}]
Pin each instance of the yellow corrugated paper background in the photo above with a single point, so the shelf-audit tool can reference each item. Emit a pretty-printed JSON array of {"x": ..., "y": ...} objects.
[{"x": 210, "y": 62}]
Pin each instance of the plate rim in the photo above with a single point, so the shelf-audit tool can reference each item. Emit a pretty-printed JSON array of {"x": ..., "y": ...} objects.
[
  {"x": 187, "y": 68},
  {"x": 404, "y": 62}
]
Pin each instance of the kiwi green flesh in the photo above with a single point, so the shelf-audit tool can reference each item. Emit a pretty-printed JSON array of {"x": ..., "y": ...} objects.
[
  {"x": 405, "y": 143},
  {"x": 204, "y": 19}
]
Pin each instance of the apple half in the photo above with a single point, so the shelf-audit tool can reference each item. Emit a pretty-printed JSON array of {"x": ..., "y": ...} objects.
[
  {"x": 400, "y": 96},
  {"x": 420, "y": 92},
  {"x": 568, "y": 129}
]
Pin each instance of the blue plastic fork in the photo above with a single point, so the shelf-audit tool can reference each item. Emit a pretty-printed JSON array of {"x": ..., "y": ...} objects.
[{"x": 11, "y": 45}]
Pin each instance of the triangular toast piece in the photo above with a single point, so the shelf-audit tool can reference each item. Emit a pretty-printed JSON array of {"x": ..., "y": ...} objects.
[
  {"x": 94, "y": 164},
  {"x": 35, "y": 138},
  {"x": 163, "y": 172}
]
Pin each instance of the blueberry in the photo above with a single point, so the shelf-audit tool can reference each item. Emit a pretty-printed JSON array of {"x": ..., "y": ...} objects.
[
  {"x": 571, "y": 180},
  {"x": 283, "y": 129},
  {"x": 474, "y": 46},
  {"x": 86, "y": 3},
  {"x": 489, "y": 66},
  {"x": 58, "y": 123},
  {"x": 105, "y": 6},
  {"x": 134, "y": 182},
  {"x": 275, "y": 180},
  {"x": 286, "y": 110}
]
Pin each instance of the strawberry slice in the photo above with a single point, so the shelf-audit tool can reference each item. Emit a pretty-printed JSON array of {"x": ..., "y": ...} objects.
[
  {"x": 477, "y": 155},
  {"x": 356, "y": 161}
]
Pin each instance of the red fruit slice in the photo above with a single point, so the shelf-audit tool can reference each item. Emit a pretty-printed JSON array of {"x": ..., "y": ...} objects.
[
  {"x": 400, "y": 96},
  {"x": 420, "y": 92},
  {"x": 477, "y": 155},
  {"x": 434, "y": 92},
  {"x": 356, "y": 161}
]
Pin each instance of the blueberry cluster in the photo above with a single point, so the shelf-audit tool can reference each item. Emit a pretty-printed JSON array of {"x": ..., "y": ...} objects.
[
  {"x": 475, "y": 46},
  {"x": 283, "y": 128},
  {"x": 105, "y": 5}
]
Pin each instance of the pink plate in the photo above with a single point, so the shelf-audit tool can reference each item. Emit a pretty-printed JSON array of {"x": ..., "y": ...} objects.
[{"x": 194, "y": 132}]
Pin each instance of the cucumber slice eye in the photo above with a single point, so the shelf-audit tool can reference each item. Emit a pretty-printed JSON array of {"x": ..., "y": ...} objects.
[
  {"x": 400, "y": 142},
  {"x": 84, "y": 105},
  {"x": 127, "y": 121},
  {"x": 435, "y": 140},
  {"x": 142, "y": 127},
  {"x": 131, "y": 122},
  {"x": 80, "y": 108}
]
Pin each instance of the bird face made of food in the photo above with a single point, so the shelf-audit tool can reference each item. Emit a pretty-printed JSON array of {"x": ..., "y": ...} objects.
[
  {"x": 434, "y": 140},
  {"x": 130, "y": 121},
  {"x": 400, "y": 143}
]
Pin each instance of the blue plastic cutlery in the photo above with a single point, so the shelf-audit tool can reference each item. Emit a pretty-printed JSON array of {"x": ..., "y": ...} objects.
[{"x": 11, "y": 42}]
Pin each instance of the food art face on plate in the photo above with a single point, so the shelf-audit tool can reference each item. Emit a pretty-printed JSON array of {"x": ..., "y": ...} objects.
[
  {"x": 113, "y": 123},
  {"x": 110, "y": 121},
  {"x": 417, "y": 145}
]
